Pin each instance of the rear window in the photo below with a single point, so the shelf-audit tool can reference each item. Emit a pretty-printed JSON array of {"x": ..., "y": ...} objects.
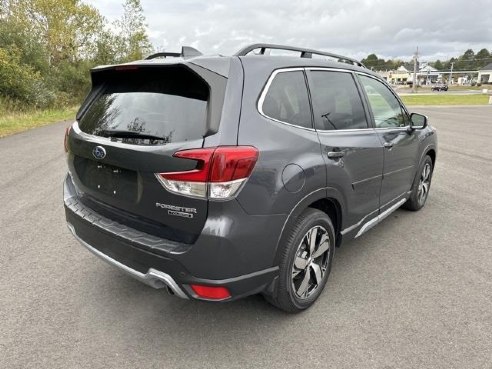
[{"x": 149, "y": 106}]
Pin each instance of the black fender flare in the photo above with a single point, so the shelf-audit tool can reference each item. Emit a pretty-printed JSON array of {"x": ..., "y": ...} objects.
[
  {"x": 422, "y": 156},
  {"x": 302, "y": 204}
]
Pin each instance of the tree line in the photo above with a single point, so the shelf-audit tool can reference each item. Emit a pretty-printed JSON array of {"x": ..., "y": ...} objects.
[
  {"x": 469, "y": 60},
  {"x": 48, "y": 46}
]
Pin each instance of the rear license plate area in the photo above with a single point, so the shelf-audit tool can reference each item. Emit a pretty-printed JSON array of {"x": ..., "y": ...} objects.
[{"x": 107, "y": 179}]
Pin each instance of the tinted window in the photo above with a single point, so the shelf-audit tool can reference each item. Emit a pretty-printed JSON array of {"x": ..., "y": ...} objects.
[
  {"x": 287, "y": 99},
  {"x": 336, "y": 101},
  {"x": 168, "y": 103},
  {"x": 385, "y": 106}
]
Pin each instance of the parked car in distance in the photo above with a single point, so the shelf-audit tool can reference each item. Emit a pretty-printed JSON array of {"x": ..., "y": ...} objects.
[
  {"x": 221, "y": 177},
  {"x": 440, "y": 87}
]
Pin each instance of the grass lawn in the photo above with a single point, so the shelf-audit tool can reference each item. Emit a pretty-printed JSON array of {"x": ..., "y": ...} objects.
[
  {"x": 16, "y": 122},
  {"x": 445, "y": 99},
  {"x": 451, "y": 88}
]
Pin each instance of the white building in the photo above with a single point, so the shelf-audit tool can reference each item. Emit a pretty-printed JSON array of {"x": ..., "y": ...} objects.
[{"x": 485, "y": 74}]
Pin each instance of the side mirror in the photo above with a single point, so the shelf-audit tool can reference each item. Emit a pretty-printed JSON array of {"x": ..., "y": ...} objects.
[{"x": 418, "y": 121}]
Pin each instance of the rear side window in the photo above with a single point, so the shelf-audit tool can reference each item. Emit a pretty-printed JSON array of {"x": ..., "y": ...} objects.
[
  {"x": 149, "y": 105},
  {"x": 336, "y": 101},
  {"x": 287, "y": 99}
]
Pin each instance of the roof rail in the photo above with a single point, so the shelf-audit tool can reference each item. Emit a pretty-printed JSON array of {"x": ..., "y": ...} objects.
[
  {"x": 305, "y": 53},
  {"x": 186, "y": 52}
]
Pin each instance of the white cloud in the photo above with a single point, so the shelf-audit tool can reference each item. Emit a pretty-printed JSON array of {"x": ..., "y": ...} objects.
[{"x": 390, "y": 28}]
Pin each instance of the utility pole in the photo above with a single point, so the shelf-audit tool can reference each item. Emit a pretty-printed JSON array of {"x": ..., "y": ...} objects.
[
  {"x": 415, "y": 61},
  {"x": 451, "y": 72}
]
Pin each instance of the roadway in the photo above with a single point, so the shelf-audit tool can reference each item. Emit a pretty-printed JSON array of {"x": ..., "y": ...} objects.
[{"x": 414, "y": 292}]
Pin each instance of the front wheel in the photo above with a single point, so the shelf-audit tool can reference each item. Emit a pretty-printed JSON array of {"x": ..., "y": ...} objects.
[
  {"x": 305, "y": 263},
  {"x": 421, "y": 186}
]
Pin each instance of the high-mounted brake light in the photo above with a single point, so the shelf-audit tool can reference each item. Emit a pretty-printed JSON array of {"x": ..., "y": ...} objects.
[
  {"x": 65, "y": 140},
  {"x": 219, "y": 172},
  {"x": 126, "y": 67},
  {"x": 211, "y": 292}
]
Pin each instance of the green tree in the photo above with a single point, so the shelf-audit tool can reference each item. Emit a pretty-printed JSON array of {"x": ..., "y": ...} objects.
[
  {"x": 67, "y": 28},
  {"x": 466, "y": 61},
  {"x": 21, "y": 82},
  {"x": 393, "y": 64},
  {"x": 438, "y": 65},
  {"x": 371, "y": 61},
  {"x": 107, "y": 49},
  {"x": 47, "y": 48},
  {"x": 483, "y": 58},
  {"x": 134, "y": 44},
  {"x": 14, "y": 38}
]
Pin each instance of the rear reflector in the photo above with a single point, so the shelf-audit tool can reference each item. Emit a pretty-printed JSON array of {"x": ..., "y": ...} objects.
[
  {"x": 219, "y": 172},
  {"x": 211, "y": 293}
]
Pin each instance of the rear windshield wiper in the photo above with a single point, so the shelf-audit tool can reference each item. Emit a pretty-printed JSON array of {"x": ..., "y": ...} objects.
[{"x": 129, "y": 134}]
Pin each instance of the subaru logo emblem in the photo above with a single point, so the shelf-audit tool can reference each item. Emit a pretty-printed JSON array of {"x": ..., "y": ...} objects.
[{"x": 99, "y": 152}]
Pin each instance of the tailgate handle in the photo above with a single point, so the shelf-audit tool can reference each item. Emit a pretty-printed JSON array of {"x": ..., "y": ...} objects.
[{"x": 388, "y": 145}]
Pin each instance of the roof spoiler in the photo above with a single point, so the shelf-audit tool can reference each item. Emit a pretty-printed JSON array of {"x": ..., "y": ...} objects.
[
  {"x": 186, "y": 53},
  {"x": 305, "y": 53}
]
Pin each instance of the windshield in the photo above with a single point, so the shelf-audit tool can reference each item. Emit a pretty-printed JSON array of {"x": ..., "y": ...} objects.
[{"x": 163, "y": 105}]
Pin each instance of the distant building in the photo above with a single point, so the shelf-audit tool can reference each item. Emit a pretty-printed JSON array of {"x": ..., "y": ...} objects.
[
  {"x": 404, "y": 74},
  {"x": 485, "y": 74},
  {"x": 428, "y": 75}
]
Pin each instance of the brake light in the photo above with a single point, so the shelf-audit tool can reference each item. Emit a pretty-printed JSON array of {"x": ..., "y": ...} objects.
[
  {"x": 126, "y": 67},
  {"x": 65, "y": 140},
  {"x": 219, "y": 172},
  {"x": 211, "y": 293}
]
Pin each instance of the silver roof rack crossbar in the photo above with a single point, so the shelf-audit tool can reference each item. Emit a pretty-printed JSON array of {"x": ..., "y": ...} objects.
[
  {"x": 305, "y": 53},
  {"x": 186, "y": 52}
]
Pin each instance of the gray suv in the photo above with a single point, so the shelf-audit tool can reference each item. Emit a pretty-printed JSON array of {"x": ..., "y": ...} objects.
[{"x": 220, "y": 177}]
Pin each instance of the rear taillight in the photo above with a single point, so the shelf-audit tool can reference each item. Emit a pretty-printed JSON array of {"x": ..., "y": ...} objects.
[
  {"x": 65, "y": 140},
  {"x": 219, "y": 172}
]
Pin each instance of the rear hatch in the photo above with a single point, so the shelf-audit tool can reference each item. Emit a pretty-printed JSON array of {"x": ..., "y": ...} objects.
[{"x": 133, "y": 121}]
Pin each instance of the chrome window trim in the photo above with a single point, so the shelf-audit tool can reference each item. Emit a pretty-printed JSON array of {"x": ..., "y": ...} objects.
[
  {"x": 405, "y": 128},
  {"x": 266, "y": 88},
  {"x": 328, "y": 69},
  {"x": 344, "y": 130}
]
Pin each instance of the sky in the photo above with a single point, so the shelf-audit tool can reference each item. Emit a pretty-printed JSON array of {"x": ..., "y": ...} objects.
[{"x": 389, "y": 28}]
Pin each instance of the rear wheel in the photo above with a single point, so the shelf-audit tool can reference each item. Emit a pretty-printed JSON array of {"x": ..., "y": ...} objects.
[
  {"x": 421, "y": 186},
  {"x": 305, "y": 263}
]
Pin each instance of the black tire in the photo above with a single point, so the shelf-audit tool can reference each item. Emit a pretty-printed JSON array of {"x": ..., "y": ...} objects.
[
  {"x": 313, "y": 224},
  {"x": 416, "y": 201}
]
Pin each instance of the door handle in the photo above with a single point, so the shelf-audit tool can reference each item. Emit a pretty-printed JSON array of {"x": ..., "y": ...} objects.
[
  {"x": 335, "y": 154},
  {"x": 388, "y": 145}
]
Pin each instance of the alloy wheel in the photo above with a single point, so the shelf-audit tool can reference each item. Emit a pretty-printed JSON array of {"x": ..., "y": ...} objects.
[
  {"x": 424, "y": 184},
  {"x": 311, "y": 262}
]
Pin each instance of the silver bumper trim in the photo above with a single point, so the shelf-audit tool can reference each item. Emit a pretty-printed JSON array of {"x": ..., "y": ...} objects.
[{"x": 154, "y": 278}]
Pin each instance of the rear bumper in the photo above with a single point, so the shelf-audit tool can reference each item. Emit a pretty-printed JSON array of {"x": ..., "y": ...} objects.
[
  {"x": 161, "y": 263},
  {"x": 153, "y": 277}
]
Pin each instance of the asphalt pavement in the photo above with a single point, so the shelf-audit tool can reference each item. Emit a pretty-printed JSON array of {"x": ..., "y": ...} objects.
[{"x": 413, "y": 292}]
